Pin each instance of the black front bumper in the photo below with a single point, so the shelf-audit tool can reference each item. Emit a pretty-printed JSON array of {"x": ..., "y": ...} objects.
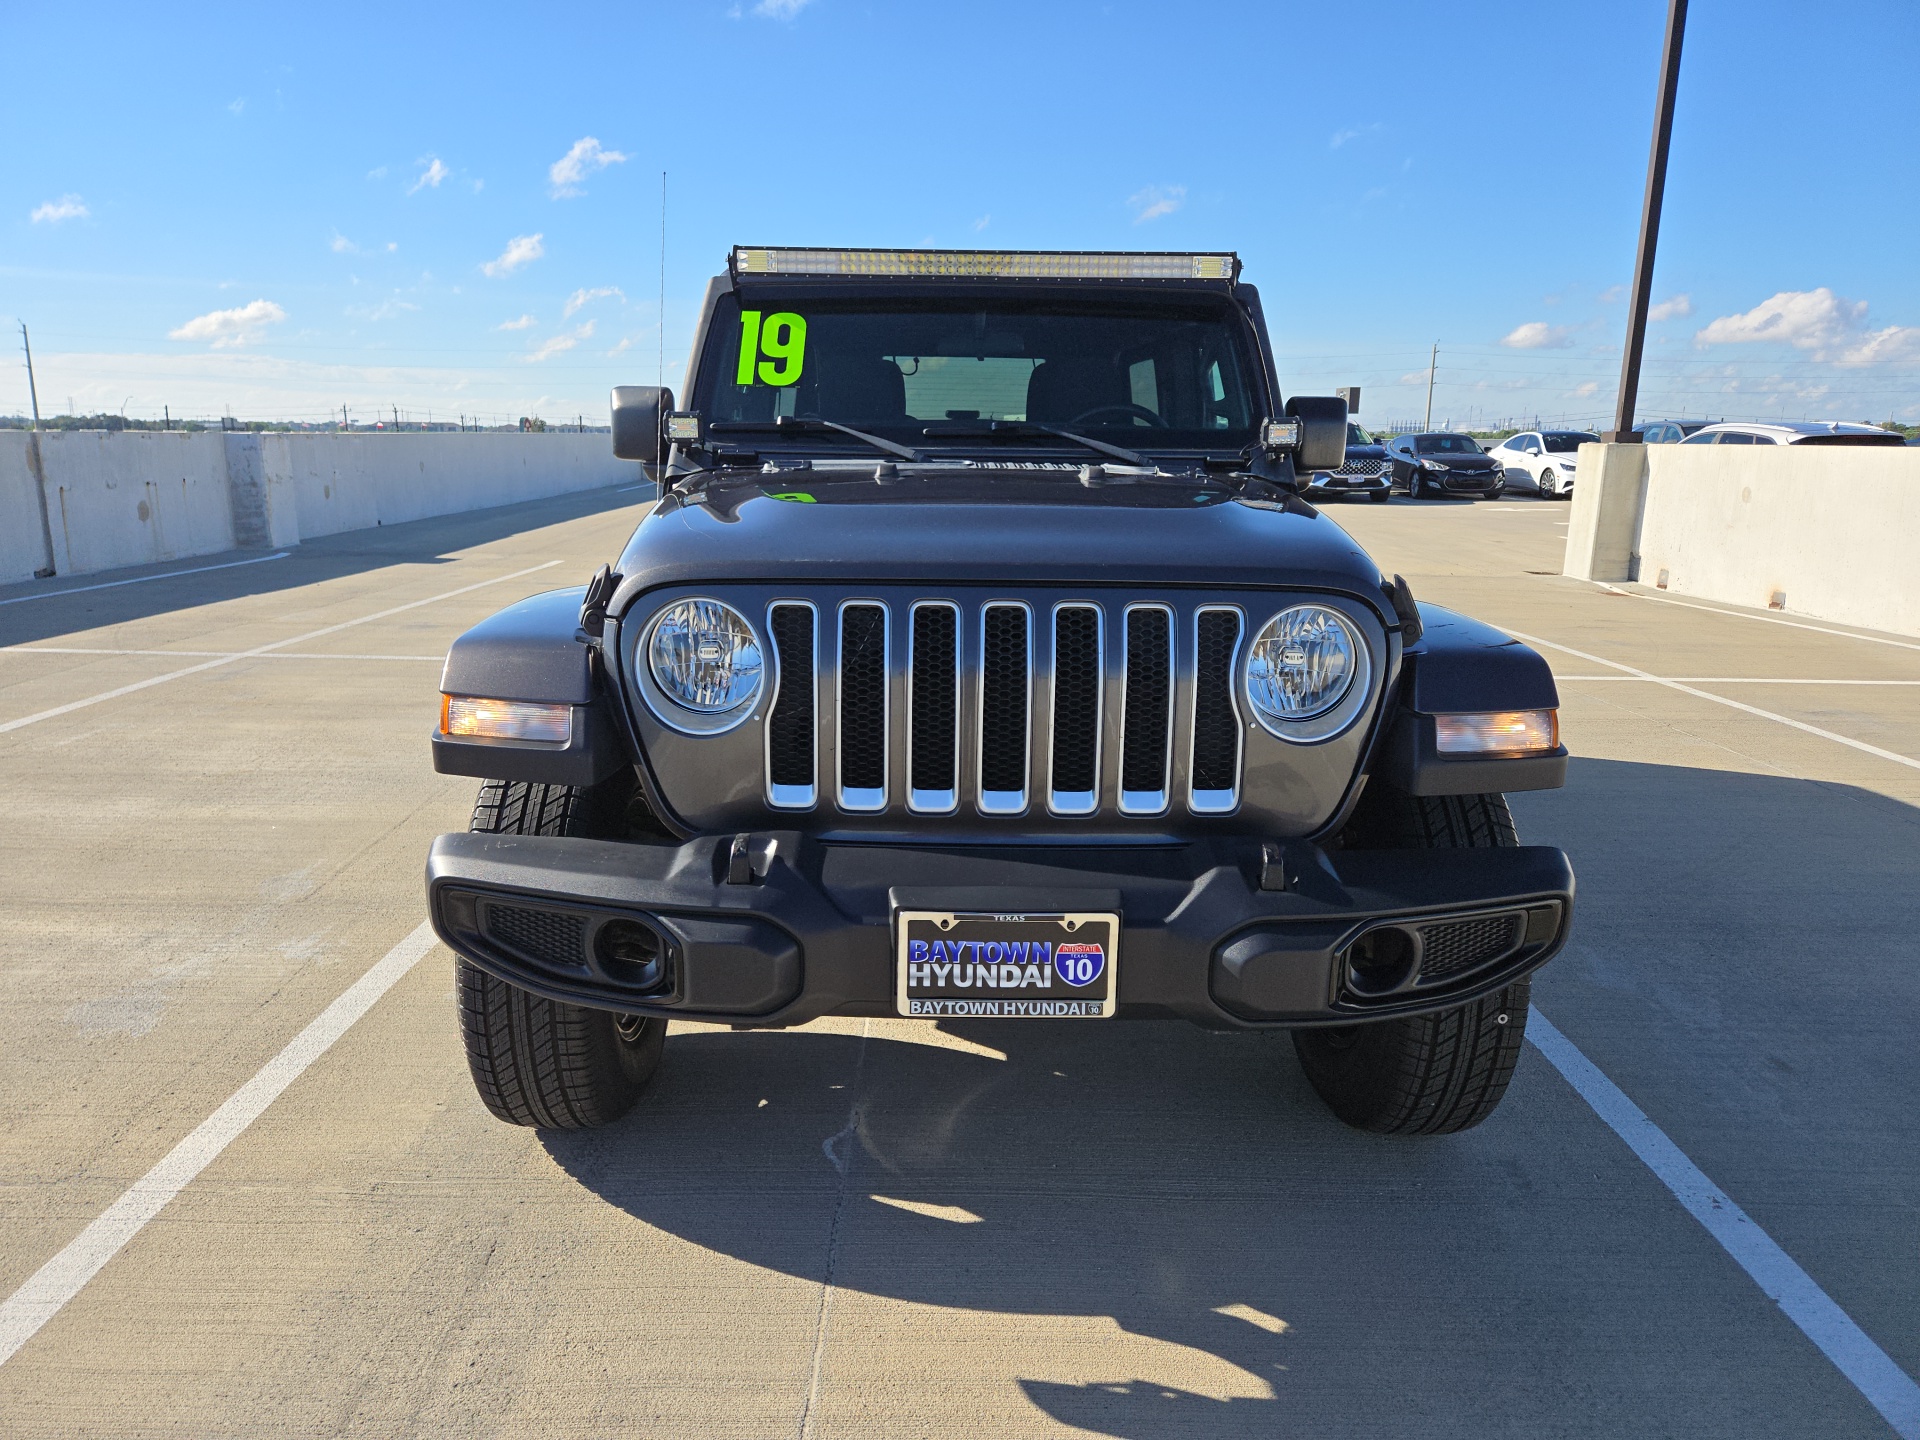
[{"x": 777, "y": 929}]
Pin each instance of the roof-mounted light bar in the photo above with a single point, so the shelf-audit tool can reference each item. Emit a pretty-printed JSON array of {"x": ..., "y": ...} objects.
[{"x": 986, "y": 264}]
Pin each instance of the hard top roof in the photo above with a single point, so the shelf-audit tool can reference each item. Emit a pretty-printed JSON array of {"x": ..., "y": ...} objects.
[
  {"x": 1800, "y": 427},
  {"x": 750, "y": 262}
]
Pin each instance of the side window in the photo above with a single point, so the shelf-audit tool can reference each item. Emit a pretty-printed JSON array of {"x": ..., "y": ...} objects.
[
  {"x": 1529, "y": 445},
  {"x": 1702, "y": 438},
  {"x": 1734, "y": 437},
  {"x": 1144, "y": 390}
]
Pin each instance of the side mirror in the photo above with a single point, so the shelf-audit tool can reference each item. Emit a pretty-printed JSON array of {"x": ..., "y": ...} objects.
[
  {"x": 1323, "y": 432},
  {"x": 639, "y": 412}
]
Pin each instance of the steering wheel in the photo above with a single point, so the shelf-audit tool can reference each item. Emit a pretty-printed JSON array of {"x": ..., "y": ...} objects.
[{"x": 1140, "y": 410}]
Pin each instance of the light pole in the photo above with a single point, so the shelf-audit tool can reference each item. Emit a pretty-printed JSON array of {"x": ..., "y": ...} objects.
[
  {"x": 1433, "y": 364},
  {"x": 1623, "y": 431}
]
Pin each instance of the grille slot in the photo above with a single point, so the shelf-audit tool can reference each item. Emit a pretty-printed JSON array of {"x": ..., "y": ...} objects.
[
  {"x": 1453, "y": 947},
  {"x": 1145, "y": 747},
  {"x": 863, "y": 706},
  {"x": 1214, "y": 779},
  {"x": 550, "y": 939},
  {"x": 1077, "y": 663},
  {"x": 791, "y": 779},
  {"x": 1006, "y": 670},
  {"x": 933, "y": 701}
]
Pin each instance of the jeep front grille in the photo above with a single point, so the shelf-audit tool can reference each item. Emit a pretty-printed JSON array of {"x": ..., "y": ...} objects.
[{"x": 1003, "y": 698}]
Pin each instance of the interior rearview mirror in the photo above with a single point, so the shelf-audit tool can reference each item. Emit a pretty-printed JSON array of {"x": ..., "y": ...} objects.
[
  {"x": 1323, "y": 432},
  {"x": 638, "y": 414}
]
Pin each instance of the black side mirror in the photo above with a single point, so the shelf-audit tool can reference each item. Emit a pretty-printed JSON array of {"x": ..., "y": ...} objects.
[
  {"x": 1323, "y": 432},
  {"x": 639, "y": 413}
]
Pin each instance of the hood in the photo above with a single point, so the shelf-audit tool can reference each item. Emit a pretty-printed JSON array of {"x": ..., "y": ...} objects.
[
  {"x": 1366, "y": 452},
  {"x": 1010, "y": 528}
]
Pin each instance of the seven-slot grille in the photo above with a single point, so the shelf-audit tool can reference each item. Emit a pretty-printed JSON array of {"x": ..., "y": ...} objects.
[{"x": 973, "y": 730}]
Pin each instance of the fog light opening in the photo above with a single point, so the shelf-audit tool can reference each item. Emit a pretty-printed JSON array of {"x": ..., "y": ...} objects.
[
  {"x": 1381, "y": 961},
  {"x": 634, "y": 955}
]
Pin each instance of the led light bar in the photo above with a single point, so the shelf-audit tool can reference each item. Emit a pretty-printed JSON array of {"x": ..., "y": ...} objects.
[
  {"x": 473, "y": 718},
  {"x": 1282, "y": 434},
  {"x": 987, "y": 264},
  {"x": 1498, "y": 732}
]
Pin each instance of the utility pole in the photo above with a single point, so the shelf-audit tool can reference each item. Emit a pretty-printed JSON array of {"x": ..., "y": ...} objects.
[
  {"x": 33, "y": 395},
  {"x": 1433, "y": 364},
  {"x": 660, "y": 375},
  {"x": 1622, "y": 432}
]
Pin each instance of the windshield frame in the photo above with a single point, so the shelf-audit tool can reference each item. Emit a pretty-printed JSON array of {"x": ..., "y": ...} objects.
[{"x": 978, "y": 438}]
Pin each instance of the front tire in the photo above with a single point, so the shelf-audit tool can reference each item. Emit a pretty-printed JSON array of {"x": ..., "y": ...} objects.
[
  {"x": 537, "y": 1061},
  {"x": 1549, "y": 484},
  {"x": 1431, "y": 1074}
]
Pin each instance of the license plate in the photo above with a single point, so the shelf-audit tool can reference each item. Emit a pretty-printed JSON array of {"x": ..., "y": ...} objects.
[{"x": 1045, "y": 966}]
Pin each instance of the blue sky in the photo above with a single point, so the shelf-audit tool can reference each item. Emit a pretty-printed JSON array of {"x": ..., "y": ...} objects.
[{"x": 457, "y": 209}]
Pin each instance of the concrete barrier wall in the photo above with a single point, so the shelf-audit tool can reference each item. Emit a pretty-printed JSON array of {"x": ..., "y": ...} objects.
[
  {"x": 136, "y": 497},
  {"x": 1827, "y": 532}
]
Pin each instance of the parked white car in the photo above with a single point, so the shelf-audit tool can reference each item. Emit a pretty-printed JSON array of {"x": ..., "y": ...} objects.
[
  {"x": 1543, "y": 461},
  {"x": 1793, "y": 432}
]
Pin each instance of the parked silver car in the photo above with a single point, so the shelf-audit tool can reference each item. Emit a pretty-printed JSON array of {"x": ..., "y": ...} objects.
[
  {"x": 1543, "y": 461},
  {"x": 1793, "y": 432}
]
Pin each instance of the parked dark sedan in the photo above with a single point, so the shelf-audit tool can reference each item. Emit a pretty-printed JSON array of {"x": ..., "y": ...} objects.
[
  {"x": 1443, "y": 463},
  {"x": 1363, "y": 472}
]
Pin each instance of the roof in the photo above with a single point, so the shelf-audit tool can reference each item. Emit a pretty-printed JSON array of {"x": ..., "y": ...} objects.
[
  {"x": 749, "y": 261},
  {"x": 1799, "y": 427}
]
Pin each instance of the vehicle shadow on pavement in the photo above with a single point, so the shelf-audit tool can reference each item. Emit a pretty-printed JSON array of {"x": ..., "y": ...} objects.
[{"x": 434, "y": 541}]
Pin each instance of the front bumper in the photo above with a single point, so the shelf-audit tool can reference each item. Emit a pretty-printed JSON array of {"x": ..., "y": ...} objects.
[
  {"x": 1322, "y": 483},
  {"x": 776, "y": 929}
]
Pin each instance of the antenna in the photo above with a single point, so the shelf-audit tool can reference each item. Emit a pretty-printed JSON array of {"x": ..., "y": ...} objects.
[{"x": 660, "y": 375}]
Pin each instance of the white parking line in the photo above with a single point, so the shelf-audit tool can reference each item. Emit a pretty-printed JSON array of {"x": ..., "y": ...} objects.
[
  {"x": 143, "y": 579},
  {"x": 1887, "y": 1387},
  {"x": 1729, "y": 680},
  {"x": 227, "y": 654},
  {"x": 259, "y": 650},
  {"x": 66, "y": 1274},
  {"x": 1763, "y": 619},
  {"x": 1686, "y": 689}
]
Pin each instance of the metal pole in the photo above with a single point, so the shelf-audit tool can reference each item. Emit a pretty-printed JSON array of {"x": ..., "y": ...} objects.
[
  {"x": 1433, "y": 363},
  {"x": 1622, "y": 432},
  {"x": 660, "y": 375},
  {"x": 32, "y": 394}
]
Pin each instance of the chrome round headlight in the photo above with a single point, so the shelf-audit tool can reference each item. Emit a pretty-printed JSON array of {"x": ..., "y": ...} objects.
[
  {"x": 1302, "y": 665},
  {"x": 705, "y": 657}
]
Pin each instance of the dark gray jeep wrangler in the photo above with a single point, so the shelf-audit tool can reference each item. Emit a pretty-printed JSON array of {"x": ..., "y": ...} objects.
[{"x": 981, "y": 659}]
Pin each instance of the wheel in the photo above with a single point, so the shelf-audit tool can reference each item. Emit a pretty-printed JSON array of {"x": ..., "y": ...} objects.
[
  {"x": 1549, "y": 484},
  {"x": 1428, "y": 1074},
  {"x": 537, "y": 1061}
]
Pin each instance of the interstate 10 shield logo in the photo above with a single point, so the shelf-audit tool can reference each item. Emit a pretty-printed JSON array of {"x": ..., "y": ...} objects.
[{"x": 1079, "y": 963}]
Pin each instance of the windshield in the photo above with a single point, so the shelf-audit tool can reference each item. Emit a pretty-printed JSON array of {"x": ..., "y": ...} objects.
[
  {"x": 1146, "y": 373},
  {"x": 1357, "y": 436},
  {"x": 1446, "y": 445},
  {"x": 1565, "y": 442}
]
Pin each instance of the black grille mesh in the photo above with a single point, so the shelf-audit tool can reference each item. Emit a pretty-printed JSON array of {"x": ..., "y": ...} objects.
[
  {"x": 1003, "y": 704},
  {"x": 1454, "y": 946},
  {"x": 549, "y": 938},
  {"x": 1076, "y": 698},
  {"x": 1143, "y": 760},
  {"x": 790, "y": 726},
  {"x": 863, "y": 698},
  {"x": 1216, "y": 729},
  {"x": 936, "y": 697}
]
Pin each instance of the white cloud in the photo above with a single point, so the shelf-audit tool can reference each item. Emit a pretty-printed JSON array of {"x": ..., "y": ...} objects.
[
  {"x": 67, "y": 207},
  {"x": 379, "y": 172},
  {"x": 1612, "y": 295},
  {"x": 982, "y": 223},
  {"x": 237, "y": 105},
  {"x": 340, "y": 245},
  {"x": 1155, "y": 201},
  {"x": 1590, "y": 387},
  {"x": 225, "y": 329},
  {"x": 1413, "y": 377},
  {"x": 1818, "y": 321},
  {"x": 1341, "y": 137},
  {"x": 586, "y": 156},
  {"x": 521, "y": 250},
  {"x": 385, "y": 310},
  {"x": 525, "y": 322},
  {"x": 392, "y": 245},
  {"x": 624, "y": 345},
  {"x": 559, "y": 344},
  {"x": 780, "y": 9},
  {"x": 431, "y": 176},
  {"x": 581, "y": 298},
  {"x": 1674, "y": 307},
  {"x": 1537, "y": 335}
]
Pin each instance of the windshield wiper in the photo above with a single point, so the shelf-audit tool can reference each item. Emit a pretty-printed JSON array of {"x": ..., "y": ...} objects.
[
  {"x": 811, "y": 422},
  {"x": 1034, "y": 427}
]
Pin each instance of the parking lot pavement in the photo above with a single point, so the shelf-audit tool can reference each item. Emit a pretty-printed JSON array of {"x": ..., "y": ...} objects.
[{"x": 878, "y": 1228}]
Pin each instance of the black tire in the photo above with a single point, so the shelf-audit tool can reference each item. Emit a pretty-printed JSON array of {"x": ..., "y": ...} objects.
[
  {"x": 537, "y": 1061},
  {"x": 1430, "y": 1074}
]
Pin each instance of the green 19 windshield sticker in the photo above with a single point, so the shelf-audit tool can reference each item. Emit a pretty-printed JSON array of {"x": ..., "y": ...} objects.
[{"x": 781, "y": 337}]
